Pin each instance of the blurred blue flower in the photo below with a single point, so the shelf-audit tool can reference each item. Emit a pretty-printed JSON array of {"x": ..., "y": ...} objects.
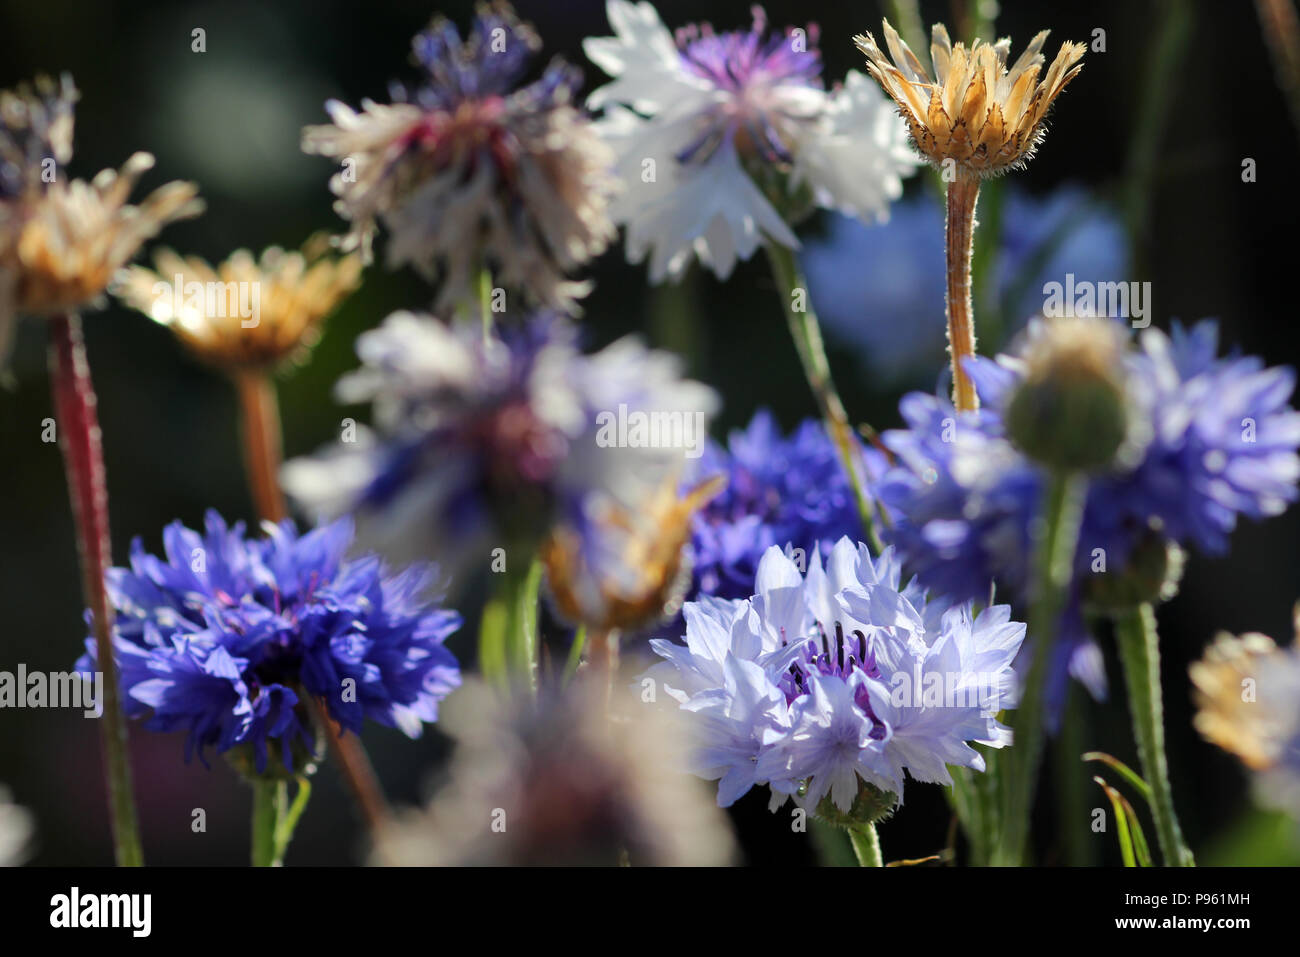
[
  {"x": 1220, "y": 441},
  {"x": 880, "y": 288},
  {"x": 224, "y": 635},
  {"x": 473, "y": 167},
  {"x": 818, "y": 684},
  {"x": 481, "y": 443},
  {"x": 788, "y": 491}
]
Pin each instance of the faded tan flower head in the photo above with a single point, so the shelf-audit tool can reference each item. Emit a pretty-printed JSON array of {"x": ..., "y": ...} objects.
[
  {"x": 75, "y": 236},
  {"x": 246, "y": 313},
  {"x": 975, "y": 111},
  {"x": 559, "y": 781},
  {"x": 1236, "y": 695},
  {"x": 474, "y": 169},
  {"x": 633, "y": 569}
]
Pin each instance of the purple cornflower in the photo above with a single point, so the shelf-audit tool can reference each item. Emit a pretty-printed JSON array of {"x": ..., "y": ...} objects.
[{"x": 472, "y": 168}]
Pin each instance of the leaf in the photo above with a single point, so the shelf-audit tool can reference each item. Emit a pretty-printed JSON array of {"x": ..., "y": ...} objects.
[
  {"x": 1117, "y": 802},
  {"x": 1129, "y": 775}
]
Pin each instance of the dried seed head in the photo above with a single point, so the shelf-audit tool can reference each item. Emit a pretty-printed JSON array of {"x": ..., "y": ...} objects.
[
  {"x": 977, "y": 112},
  {"x": 245, "y": 313}
]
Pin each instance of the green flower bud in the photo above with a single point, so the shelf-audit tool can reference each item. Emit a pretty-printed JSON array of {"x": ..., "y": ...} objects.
[
  {"x": 1071, "y": 410},
  {"x": 870, "y": 805},
  {"x": 1151, "y": 574}
]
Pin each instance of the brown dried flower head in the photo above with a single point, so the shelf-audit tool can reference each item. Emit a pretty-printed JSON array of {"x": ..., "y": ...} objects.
[
  {"x": 75, "y": 236},
  {"x": 246, "y": 313},
  {"x": 975, "y": 111},
  {"x": 645, "y": 569},
  {"x": 1253, "y": 731}
]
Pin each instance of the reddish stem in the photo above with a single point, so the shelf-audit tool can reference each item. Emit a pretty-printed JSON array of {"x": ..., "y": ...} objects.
[
  {"x": 260, "y": 412},
  {"x": 963, "y": 192},
  {"x": 83, "y": 459}
]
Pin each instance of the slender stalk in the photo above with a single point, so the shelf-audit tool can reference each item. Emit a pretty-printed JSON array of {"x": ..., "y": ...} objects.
[
  {"x": 260, "y": 416},
  {"x": 522, "y": 640},
  {"x": 959, "y": 237},
  {"x": 1054, "y": 562},
  {"x": 508, "y": 629},
  {"x": 1139, "y": 649},
  {"x": 1171, "y": 37},
  {"x": 806, "y": 331},
  {"x": 264, "y": 453},
  {"x": 1280, "y": 25},
  {"x": 485, "y": 301},
  {"x": 866, "y": 845},
  {"x": 1072, "y": 783},
  {"x": 906, "y": 15},
  {"x": 265, "y": 817},
  {"x": 287, "y": 814},
  {"x": 354, "y": 765},
  {"x": 602, "y": 657},
  {"x": 83, "y": 461}
]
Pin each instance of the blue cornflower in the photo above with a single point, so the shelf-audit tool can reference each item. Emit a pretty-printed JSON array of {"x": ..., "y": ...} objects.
[
  {"x": 225, "y": 635},
  {"x": 869, "y": 282},
  {"x": 789, "y": 491},
  {"x": 817, "y": 685},
  {"x": 472, "y": 167},
  {"x": 1217, "y": 440},
  {"x": 484, "y": 443}
]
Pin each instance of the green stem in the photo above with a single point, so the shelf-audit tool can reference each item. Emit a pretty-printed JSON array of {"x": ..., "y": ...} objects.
[
  {"x": 866, "y": 845},
  {"x": 275, "y": 818},
  {"x": 1163, "y": 66},
  {"x": 806, "y": 331},
  {"x": 1140, "y": 651},
  {"x": 508, "y": 630},
  {"x": 1072, "y": 782},
  {"x": 1054, "y": 562},
  {"x": 485, "y": 301},
  {"x": 265, "y": 816}
]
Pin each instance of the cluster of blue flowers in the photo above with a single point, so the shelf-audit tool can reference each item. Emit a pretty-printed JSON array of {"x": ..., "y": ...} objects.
[
  {"x": 1216, "y": 436},
  {"x": 225, "y": 636}
]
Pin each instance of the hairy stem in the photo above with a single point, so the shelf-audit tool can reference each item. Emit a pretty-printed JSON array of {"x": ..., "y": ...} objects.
[
  {"x": 83, "y": 461},
  {"x": 1054, "y": 565},
  {"x": 265, "y": 818},
  {"x": 1140, "y": 651},
  {"x": 963, "y": 193},
  {"x": 866, "y": 845},
  {"x": 806, "y": 332}
]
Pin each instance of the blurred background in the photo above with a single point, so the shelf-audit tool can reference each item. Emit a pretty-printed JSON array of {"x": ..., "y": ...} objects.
[{"x": 1140, "y": 178}]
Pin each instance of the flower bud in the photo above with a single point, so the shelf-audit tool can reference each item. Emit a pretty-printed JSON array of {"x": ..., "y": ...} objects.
[
  {"x": 1071, "y": 410},
  {"x": 871, "y": 805},
  {"x": 1151, "y": 574}
]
